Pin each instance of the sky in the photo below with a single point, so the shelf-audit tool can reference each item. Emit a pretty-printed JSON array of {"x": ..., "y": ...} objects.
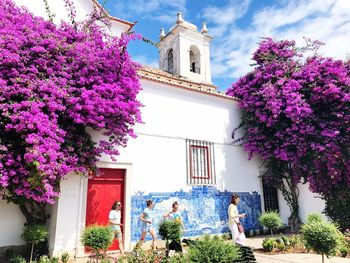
[{"x": 237, "y": 26}]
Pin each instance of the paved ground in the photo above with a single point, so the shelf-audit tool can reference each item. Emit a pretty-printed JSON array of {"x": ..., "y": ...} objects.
[
  {"x": 289, "y": 258},
  {"x": 297, "y": 258}
]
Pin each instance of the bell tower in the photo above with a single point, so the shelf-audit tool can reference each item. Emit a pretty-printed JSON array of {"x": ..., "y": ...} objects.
[{"x": 184, "y": 51}]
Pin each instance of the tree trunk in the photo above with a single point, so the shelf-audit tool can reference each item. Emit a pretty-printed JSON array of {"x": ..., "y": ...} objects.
[
  {"x": 31, "y": 253},
  {"x": 290, "y": 193},
  {"x": 322, "y": 258},
  {"x": 167, "y": 247},
  {"x": 34, "y": 213}
]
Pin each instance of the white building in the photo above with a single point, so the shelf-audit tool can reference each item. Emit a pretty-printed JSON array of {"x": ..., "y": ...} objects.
[{"x": 183, "y": 152}]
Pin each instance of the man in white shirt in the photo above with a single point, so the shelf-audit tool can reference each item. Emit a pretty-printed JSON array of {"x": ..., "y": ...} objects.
[{"x": 115, "y": 222}]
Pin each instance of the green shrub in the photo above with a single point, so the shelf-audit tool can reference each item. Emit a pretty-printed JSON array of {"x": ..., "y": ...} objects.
[
  {"x": 344, "y": 251},
  {"x": 279, "y": 240},
  {"x": 280, "y": 246},
  {"x": 270, "y": 220},
  {"x": 268, "y": 244},
  {"x": 286, "y": 241},
  {"x": 346, "y": 238},
  {"x": 314, "y": 217},
  {"x": 44, "y": 259},
  {"x": 139, "y": 255},
  {"x": 296, "y": 241},
  {"x": 54, "y": 260},
  {"x": 178, "y": 258},
  {"x": 170, "y": 230},
  {"x": 17, "y": 259},
  {"x": 33, "y": 235},
  {"x": 338, "y": 209},
  {"x": 321, "y": 237},
  {"x": 65, "y": 257},
  {"x": 211, "y": 250},
  {"x": 97, "y": 237}
]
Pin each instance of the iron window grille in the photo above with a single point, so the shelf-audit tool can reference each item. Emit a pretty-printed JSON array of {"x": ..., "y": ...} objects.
[
  {"x": 200, "y": 163},
  {"x": 270, "y": 197}
]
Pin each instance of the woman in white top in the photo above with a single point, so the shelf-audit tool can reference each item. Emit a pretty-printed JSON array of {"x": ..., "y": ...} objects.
[
  {"x": 114, "y": 219},
  {"x": 233, "y": 220}
]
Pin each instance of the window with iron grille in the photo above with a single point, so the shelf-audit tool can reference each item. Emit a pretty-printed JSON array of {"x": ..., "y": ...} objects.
[
  {"x": 270, "y": 197},
  {"x": 200, "y": 162}
]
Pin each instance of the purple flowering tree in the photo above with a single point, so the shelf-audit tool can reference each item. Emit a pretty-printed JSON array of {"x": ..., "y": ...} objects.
[
  {"x": 56, "y": 83},
  {"x": 296, "y": 118}
]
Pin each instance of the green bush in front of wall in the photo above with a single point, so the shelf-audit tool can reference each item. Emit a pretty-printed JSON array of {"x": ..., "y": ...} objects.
[
  {"x": 34, "y": 234},
  {"x": 212, "y": 250},
  {"x": 268, "y": 244},
  {"x": 141, "y": 256},
  {"x": 314, "y": 217},
  {"x": 64, "y": 257},
  {"x": 97, "y": 238},
  {"x": 270, "y": 220},
  {"x": 16, "y": 259}
]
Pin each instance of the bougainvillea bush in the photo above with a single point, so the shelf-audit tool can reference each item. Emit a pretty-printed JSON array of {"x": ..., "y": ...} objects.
[
  {"x": 296, "y": 112},
  {"x": 56, "y": 82}
]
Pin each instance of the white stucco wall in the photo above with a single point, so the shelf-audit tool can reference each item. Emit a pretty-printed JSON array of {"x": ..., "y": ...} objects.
[
  {"x": 172, "y": 115},
  {"x": 11, "y": 225},
  {"x": 65, "y": 232},
  {"x": 308, "y": 203}
]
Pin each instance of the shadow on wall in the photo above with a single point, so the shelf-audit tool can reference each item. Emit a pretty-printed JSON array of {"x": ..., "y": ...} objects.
[{"x": 204, "y": 210}]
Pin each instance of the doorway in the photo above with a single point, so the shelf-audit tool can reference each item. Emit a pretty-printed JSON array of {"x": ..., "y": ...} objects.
[{"x": 103, "y": 191}]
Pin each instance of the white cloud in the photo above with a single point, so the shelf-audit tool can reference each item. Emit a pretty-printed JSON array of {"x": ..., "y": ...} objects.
[
  {"x": 225, "y": 15},
  {"x": 144, "y": 60},
  {"x": 324, "y": 20},
  {"x": 164, "y": 11}
]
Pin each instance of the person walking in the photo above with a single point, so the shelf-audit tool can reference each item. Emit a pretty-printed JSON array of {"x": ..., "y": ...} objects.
[
  {"x": 175, "y": 215},
  {"x": 147, "y": 218},
  {"x": 234, "y": 223},
  {"x": 114, "y": 219}
]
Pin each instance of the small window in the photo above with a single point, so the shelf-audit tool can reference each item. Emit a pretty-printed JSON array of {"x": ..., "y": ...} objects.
[
  {"x": 170, "y": 60},
  {"x": 200, "y": 163},
  {"x": 195, "y": 60},
  {"x": 270, "y": 197}
]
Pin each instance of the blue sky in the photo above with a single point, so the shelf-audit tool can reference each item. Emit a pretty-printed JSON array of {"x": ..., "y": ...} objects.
[{"x": 237, "y": 26}]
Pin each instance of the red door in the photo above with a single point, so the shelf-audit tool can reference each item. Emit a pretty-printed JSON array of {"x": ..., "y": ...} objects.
[{"x": 103, "y": 191}]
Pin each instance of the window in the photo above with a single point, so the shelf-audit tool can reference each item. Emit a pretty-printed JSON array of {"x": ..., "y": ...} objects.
[
  {"x": 194, "y": 60},
  {"x": 200, "y": 163},
  {"x": 170, "y": 60},
  {"x": 270, "y": 197}
]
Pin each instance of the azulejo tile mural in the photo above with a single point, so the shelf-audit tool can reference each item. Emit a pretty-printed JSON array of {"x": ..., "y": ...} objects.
[{"x": 203, "y": 208}]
